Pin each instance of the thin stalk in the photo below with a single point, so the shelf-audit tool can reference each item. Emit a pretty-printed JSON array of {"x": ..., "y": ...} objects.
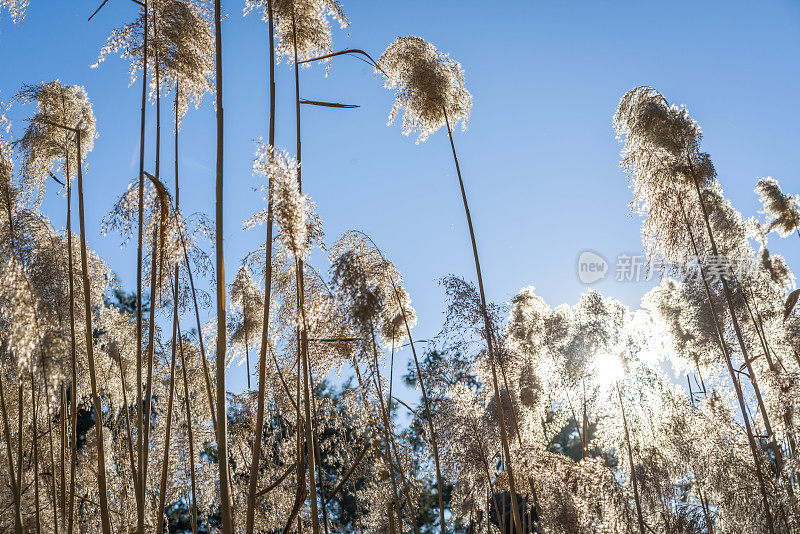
[
  {"x": 734, "y": 379},
  {"x": 193, "y": 510},
  {"x": 155, "y": 272},
  {"x": 63, "y": 427},
  {"x": 262, "y": 360},
  {"x": 635, "y": 483},
  {"x": 74, "y": 365},
  {"x": 278, "y": 481},
  {"x": 706, "y": 512},
  {"x": 35, "y": 447},
  {"x": 395, "y": 505},
  {"x": 319, "y": 488},
  {"x": 98, "y": 407},
  {"x": 16, "y": 484},
  {"x": 515, "y": 420},
  {"x": 155, "y": 276},
  {"x": 740, "y": 338},
  {"x": 222, "y": 434},
  {"x": 476, "y": 434},
  {"x": 425, "y": 398},
  {"x": 584, "y": 423},
  {"x": 374, "y": 432},
  {"x": 140, "y": 245},
  {"x": 129, "y": 435},
  {"x": 428, "y": 414},
  {"x": 54, "y": 493},
  {"x": 762, "y": 337},
  {"x": 700, "y": 375},
  {"x": 307, "y": 394},
  {"x": 20, "y": 441},
  {"x": 349, "y": 472},
  {"x": 165, "y": 464},
  {"x": 162, "y": 494},
  {"x": 300, "y": 494},
  {"x": 10, "y": 454},
  {"x": 489, "y": 343},
  {"x": 63, "y": 412},
  {"x": 737, "y": 329},
  {"x": 306, "y": 368},
  {"x": 246, "y": 350},
  {"x": 412, "y": 513},
  {"x": 204, "y": 361}
]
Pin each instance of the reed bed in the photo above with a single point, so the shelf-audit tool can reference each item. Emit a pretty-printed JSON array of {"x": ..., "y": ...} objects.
[{"x": 115, "y": 415}]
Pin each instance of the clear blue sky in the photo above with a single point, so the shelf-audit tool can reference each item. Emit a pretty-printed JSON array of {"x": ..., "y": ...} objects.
[{"x": 539, "y": 156}]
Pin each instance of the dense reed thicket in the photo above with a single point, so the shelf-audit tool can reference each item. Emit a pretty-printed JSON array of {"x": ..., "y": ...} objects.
[{"x": 114, "y": 411}]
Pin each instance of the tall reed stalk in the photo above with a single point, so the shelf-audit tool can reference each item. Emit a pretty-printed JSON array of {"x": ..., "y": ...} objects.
[
  {"x": 304, "y": 358},
  {"x": 222, "y": 435},
  {"x": 35, "y": 447},
  {"x": 54, "y": 493},
  {"x": 167, "y": 432},
  {"x": 255, "y": 460},
  {"x": 63, "y": 429},
  {"x": 737, "y": 329},
  {"x": 16, "y": 485},
  {"x": 156, "y": 264},
  {"x": 98, "y": 407},
  {"x": 374, "y": 432},
  {"x": 731, "y": 371},
  {"x": 175, "y": 332},
  {"x": 193, "y": 508},
  {"x": 156, "y": 272},
  {"x": 138, "y": 479},
  {"x": 489, "y": 342},
  {"x": 9, "y": 453},
  {"x": 73, "y": 363},
  {"x": 634, "y": 480},
  {"x": 394, "y": 505},
  {"x": 425, "y": 397}
]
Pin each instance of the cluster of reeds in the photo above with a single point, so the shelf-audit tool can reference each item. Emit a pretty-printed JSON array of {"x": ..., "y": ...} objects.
[{"x": 536, "y": 419}]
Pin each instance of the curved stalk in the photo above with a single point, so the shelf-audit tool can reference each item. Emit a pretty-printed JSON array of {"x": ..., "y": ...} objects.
[
  {"x": 635, "y": 483},
  {"x": 425, "y": 398},
  {"x": 736, "y": 385},
  {"x": 739, "y": 337},
  {"x": 98, "y": 407},
  {"x": 489, "y": 343},
  {"x": 165, "y": 464},
  {"x": 193, "y": 510}
]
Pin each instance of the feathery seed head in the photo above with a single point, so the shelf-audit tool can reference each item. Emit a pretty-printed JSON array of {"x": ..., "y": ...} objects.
[
  {"x": 394, "y": 317},
  {"x": 180, "y": 42},
  {"x": 358, "y": 288},
  {"x": 16, "y": 8},
  {"x": 783, "y": 211},
  {"x": 46, "y": 146},
  {"x": 246, "y": 298},
  {"x": 291, "y": 207},
  {"x": 18, "y": 314},
  {"x": 307, "y": 19},
  {"x": 661, "y": 155},
  {"x": 428, "y": 84}
]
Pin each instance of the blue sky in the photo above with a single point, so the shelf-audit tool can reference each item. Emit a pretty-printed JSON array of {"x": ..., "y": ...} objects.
[{"x": 539, "y": 158}]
